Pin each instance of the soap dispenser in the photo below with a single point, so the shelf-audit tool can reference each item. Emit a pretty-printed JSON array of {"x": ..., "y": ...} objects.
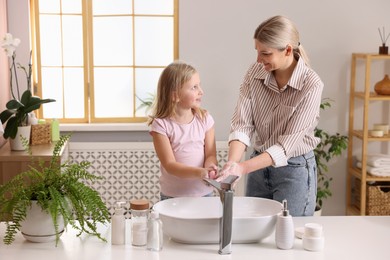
[
  {"x": 118, "y": 225},
  {"x": 284, "y": 230}
]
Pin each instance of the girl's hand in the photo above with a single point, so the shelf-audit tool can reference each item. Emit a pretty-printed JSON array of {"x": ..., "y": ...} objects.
[{"x": 212, "y": 171}]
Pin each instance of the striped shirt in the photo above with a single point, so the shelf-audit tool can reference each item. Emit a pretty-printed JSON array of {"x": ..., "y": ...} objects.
[{"x": 282, "y": 122}]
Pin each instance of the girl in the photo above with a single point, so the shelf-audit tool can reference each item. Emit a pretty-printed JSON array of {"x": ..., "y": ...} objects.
[{"x": 183, "y": 134}]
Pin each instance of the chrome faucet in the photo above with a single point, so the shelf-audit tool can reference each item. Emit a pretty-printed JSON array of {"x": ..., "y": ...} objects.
[{"x": 226, "y": 222}]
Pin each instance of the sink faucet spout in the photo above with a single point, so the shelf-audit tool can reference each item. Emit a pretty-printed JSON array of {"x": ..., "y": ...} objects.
[{"x": 226, "y": 222}]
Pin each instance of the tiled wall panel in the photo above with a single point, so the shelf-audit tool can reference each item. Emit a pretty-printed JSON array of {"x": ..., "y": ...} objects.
[{"x": 129, "y": 170}]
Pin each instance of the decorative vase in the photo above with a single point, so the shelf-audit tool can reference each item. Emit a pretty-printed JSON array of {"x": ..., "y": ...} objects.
[
  {"x": 38, "y": 226},
  {"x": 23, "y": 132},
  {"x": 383, "y": 87}
]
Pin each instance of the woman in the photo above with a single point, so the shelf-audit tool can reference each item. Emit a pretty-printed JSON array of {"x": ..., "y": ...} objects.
[{"x": 277, "y": 109}]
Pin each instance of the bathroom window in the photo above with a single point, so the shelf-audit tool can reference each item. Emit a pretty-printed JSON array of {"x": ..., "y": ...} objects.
[{"x": 100, "y": 58}]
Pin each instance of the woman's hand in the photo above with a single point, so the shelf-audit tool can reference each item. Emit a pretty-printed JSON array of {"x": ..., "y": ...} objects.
[{"x": 231, "y": 168}]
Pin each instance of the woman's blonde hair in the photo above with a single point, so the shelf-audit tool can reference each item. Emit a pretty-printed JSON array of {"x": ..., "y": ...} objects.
[
  {"x": 278, "y": 31},
  {"x": 169, "y": 84}
]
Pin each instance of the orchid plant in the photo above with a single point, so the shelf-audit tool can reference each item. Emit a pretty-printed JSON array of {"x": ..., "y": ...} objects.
[
  {"x": 9, "y": 45},
  {"x": 19, "y": 106}
]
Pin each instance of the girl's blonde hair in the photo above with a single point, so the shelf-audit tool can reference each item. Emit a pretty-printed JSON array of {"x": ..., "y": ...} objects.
[
  {"x": 278, "y": 31},
  {"x": 169, "y": 84}
]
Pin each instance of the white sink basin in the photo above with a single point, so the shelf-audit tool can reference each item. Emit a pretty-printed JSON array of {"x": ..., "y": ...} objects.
[{"x": 196, "y": 220}]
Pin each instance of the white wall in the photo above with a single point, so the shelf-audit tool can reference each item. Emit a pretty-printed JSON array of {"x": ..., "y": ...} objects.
[{"x": 216, "y": 36}]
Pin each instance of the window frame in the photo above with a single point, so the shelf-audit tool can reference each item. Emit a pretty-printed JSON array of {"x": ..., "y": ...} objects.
[{"x": 88, "y": 66}]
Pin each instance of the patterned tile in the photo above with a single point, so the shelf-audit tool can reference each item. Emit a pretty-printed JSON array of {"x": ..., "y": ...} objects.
[{"x": 128, "y": 174}]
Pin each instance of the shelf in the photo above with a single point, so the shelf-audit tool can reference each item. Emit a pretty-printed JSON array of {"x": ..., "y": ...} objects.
[
  {"x": 359, "y": 134},
  {"x": 372, "y": 56},
  {"x": 366, "y": 95},
  {"x": 372, "y": 96},
  {"x": 356, "y": 172}
]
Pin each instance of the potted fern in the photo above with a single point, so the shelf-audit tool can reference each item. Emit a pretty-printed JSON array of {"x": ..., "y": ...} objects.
[
  {"x": 58, "y": 189},
  {"x": 330, "y": 146}
]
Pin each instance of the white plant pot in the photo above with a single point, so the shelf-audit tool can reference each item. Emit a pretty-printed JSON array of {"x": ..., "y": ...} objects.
[
  {"x": 38, "y": 225},
  {"x": 16, "y": 143},
  {"x": 318, "y": 212}
]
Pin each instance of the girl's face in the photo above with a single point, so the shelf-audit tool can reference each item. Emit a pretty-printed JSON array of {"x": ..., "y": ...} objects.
[
  {"x": 190, "y": 94},
  {"x": 271, "y": 58}
]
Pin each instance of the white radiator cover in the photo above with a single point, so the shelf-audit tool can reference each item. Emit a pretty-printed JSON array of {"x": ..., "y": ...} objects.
[{"x": 130, "y": 170}]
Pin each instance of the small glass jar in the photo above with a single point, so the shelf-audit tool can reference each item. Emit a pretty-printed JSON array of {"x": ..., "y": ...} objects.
[{"x": 139, "y": 221}]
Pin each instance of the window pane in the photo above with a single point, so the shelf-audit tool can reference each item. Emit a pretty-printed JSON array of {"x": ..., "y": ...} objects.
[
  {"x": 146, "y": 87},
  {"x": 148, "y": 50},
  {"x": 112, "y": 39},
  {"x": 72, "y": 40},
  {"x": 50, "y": 40},
  {"x": 71, "y": 6},
  {"x": 74, "y": 92},
  {"x": 113, "y": 92},
  {"x": 112, "y": 7},
  {"x": 52, "y": 88},
  {"x": 153, "y": 7},
  {"x": 49, "y": 6}
]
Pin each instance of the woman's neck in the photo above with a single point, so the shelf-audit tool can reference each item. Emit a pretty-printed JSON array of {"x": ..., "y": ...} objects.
[{"x": 283, "y": 75}]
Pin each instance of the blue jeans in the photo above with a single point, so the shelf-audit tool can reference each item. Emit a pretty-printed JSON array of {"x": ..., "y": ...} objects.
[{"x": 295, "y": 182}]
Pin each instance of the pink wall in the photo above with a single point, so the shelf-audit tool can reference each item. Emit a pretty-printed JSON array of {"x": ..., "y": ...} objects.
[{"x": 4, "y": 93}]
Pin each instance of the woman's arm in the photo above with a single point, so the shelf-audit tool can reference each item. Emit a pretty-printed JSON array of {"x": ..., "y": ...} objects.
[
  {"x": 165, "y": 154},
  {"x": 235, "y": 167}
]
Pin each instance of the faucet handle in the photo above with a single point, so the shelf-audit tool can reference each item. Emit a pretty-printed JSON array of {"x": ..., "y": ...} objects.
[
  {"x": 213, "y": 183},
  {"x": 227, "y": 183},
  {"x": 230, "y": 179}
]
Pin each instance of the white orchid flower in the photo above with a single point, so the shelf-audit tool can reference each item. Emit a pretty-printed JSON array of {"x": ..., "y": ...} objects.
[{"x": 9, "y": 44}]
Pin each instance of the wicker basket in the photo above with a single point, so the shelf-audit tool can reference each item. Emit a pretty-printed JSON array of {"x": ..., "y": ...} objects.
[
  {"x": 377, "y": 200},
  {"x": 40, "y": 134}
]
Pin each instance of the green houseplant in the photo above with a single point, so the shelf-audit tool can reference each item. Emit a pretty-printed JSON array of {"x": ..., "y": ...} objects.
[
  {"x": 147, "y": 102},
  {"x": 19, "y": 107},
  {"x": 60, "y": 189},
  {"x": 330, "y": 146}
]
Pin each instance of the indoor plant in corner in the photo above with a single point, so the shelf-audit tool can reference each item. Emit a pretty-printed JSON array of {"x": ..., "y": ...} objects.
[
  {"x": 329, "y": 147},
  {"x": 60, "y": 190},
  {"x": 17, "y": 111}
]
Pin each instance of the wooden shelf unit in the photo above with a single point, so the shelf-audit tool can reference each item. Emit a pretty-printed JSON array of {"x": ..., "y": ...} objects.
[{"x": 366, "y": 96}]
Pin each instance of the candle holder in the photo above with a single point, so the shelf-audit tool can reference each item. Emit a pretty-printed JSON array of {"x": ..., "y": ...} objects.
[{"x": 383, "y": 50}]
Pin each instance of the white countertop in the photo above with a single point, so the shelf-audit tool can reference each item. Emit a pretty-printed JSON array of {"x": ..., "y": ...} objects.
[{"x": 346, "y": 237}]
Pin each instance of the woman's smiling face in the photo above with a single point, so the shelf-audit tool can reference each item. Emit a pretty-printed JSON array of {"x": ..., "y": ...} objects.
[{"x": 271, "y": 58}]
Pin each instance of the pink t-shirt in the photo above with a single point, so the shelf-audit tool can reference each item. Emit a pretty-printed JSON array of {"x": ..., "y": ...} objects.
[{"x": 187, "y": 141}]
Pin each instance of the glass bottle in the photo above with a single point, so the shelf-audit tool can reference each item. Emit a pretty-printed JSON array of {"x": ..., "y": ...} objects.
[
  {"x": 139, "y": 220},
  {"x": 118, "y": 225},
  {"x": 155, "y": 234}
]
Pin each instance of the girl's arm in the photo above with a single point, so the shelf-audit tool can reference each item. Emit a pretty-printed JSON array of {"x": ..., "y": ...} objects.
[
  {"x": 210, "y": 153},
  {"x": 165, "y": 154}
]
